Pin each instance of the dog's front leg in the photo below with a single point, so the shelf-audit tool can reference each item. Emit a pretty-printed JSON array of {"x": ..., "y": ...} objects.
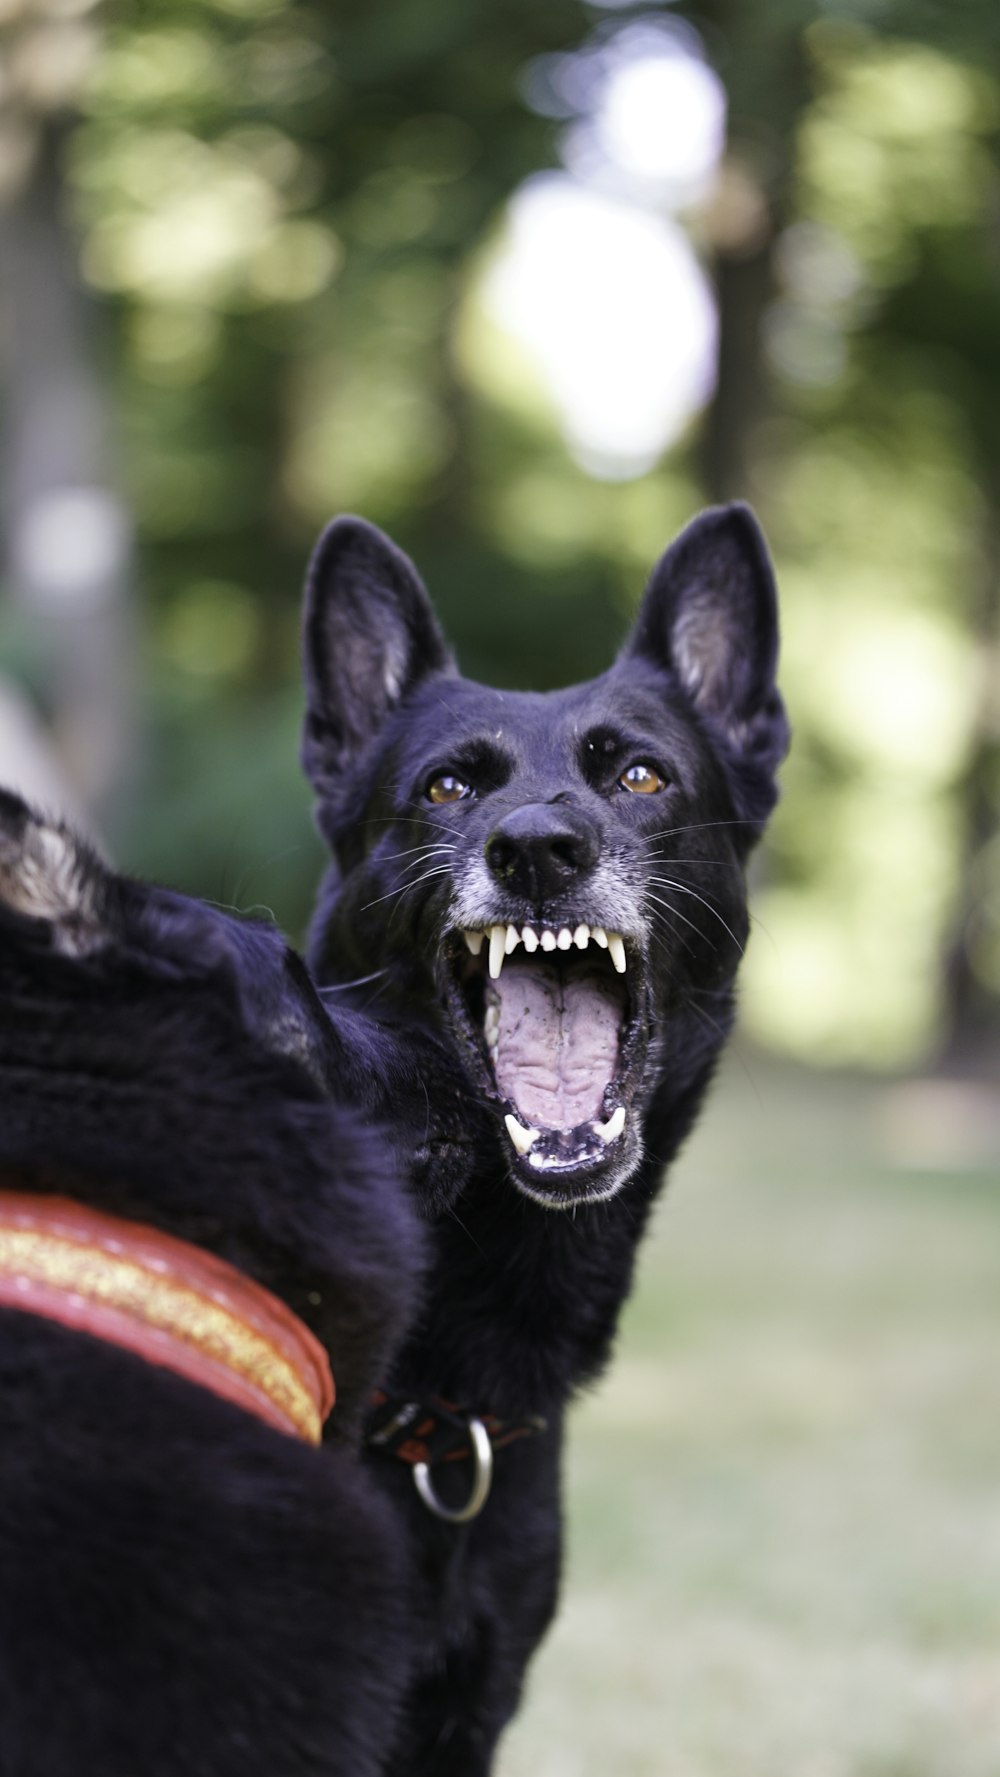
[{"x": 489, "y": 1592}]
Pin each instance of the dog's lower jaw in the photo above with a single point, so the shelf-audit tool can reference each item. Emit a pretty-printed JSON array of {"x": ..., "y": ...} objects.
[{"x": 569, "y": 1187}]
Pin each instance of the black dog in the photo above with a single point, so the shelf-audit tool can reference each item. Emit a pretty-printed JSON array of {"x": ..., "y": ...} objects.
[
  {"x": 544, "y": 895},
  {"x": 527, "y": 945},
  {"x": 182, "y": 1587}
]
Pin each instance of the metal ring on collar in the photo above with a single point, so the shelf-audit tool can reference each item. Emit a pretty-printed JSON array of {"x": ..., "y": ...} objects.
[{"x": 482, "y": 1478}]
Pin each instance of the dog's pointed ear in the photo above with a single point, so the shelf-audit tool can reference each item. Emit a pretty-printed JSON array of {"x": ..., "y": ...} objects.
[
  {"x": 710, "y": 617},
  {"x": 369, "y": 637}
]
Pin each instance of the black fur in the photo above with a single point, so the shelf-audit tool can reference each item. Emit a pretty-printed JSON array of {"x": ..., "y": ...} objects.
[
  {"x": 182, "y": 1588},
  {"x": 523, "y": 1300},
  {"x": 185, "y": 1589}
]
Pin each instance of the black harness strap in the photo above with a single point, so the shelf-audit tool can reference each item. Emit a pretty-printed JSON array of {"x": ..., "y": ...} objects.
[{"x": 435, "y": 1430}]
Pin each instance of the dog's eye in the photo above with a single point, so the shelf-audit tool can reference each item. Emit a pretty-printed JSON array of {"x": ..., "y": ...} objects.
[
  {"x": 448, "y": 788},
  {"x": 642, "y": 779}
]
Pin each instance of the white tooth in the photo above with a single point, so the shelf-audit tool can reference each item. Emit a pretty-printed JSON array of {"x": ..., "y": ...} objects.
[
  {"x": 512, "y": 941},
  {"x": 580, "y": 937},
  {"x": 616, "y": 951},
  {"x": 611, "y": 1130},
  {"x": 529, "y": 938},
  {"x": 548, "y": 940},
  {"x": 498, "y": 940},
  {"x": 599, "y": 936},
  {"x": 564, "y": 939},
  {"x": 474, "y": 940},
  {"x": 491, "y": 1024},
  {"x": 522, "y": 1138}
]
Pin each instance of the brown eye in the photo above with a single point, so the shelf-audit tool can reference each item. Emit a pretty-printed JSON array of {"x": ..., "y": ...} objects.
[
  {"x": 643, "y": 779},
  {"x": 447, "y": 788}
]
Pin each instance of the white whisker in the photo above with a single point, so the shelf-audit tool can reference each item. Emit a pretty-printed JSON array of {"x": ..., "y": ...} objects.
[
  {"x": 359, "y": 981},
  {"x": 393, "y": 894},
  {"x": 695, "y": 827},
  {"x": 676, "y": 913},
  {"x": 425, "y": 848},
  {"x": 668, "y": 882},
  {"x": 705, "y": 863}
]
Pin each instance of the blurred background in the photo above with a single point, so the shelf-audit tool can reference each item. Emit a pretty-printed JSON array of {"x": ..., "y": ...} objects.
[{"x": 527, "y": 285}]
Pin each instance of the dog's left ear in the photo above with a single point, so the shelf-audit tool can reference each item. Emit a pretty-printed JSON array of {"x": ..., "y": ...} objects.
[
  {"x": 710, "y": 617},
  {"x": 369, "y": 637}
]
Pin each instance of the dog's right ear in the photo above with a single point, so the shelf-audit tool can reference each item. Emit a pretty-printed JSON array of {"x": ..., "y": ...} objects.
[{"x": 369, "y": 638}]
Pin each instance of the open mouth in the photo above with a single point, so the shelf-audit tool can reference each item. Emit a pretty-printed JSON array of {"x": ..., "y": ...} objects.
[{"x": 554, "y": 1020}]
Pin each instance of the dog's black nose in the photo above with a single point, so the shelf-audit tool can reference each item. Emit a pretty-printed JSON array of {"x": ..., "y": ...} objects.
[{"x": 541, "y": 849}]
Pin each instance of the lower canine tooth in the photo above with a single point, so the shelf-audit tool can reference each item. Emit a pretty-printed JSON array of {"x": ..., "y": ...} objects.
[
  {"x": 611, "y": 1130},
  {"x": 522, "y": 1138},
  {"x": 616, "y": 951}
]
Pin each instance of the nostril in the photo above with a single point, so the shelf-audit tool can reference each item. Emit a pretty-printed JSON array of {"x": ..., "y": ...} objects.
[
  {"x": 565, "y": 852},
  {"x": 501, "y": 855}
]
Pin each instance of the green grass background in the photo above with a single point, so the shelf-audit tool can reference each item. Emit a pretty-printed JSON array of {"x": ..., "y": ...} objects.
[{"x": 784, "y": 1499}]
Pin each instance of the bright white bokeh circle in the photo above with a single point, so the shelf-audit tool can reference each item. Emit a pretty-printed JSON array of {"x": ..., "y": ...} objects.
[
  {"x": 662, "y": 117},
  {"x": 613, "y": 305}
]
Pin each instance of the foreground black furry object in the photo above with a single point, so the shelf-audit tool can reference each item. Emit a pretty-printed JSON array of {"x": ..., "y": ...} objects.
[
  {"x": 183, "y": 1589},
  {"x": 525, "y": 947}
]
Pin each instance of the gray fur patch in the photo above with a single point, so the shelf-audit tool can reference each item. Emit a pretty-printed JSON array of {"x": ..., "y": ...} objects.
[{"x": 43, "y": 876}]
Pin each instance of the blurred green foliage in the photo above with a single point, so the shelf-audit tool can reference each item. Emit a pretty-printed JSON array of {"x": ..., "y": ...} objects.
[{"x": 284, "y": 214}]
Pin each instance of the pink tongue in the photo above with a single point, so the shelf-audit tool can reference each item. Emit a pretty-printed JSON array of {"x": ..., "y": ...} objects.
[{"x": 558, "y": 1043}]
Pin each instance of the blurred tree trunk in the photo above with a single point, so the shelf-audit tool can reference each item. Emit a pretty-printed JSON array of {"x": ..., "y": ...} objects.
[
  {"x": 744, "y": 285},
  {"x": 765, "y": 75},
  {"x": 69, "y": 554},
  {"x": 971, "y": 1007}
]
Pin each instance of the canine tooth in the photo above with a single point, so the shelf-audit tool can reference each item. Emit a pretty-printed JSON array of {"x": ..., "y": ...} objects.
[
  {"x": 491, "y": 1024},
  {"x": 522, "y": 1138},
  {"x": 512, "y": 940},
  {"x": 474, "y": 940},
  {"x": 611, "y": 1130},
  {"x": 616, "y": 951},
  {"x": 564, "y": 939},
  {"x": 548, "y": 940},
  {"x": 498, "y": 942},
  {"x": 529, "y": 938},
  {"x": 599, "y": 936},
  {"x": 581, "y": 937}
]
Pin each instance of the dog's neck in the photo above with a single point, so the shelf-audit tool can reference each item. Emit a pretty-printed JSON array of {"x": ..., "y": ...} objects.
[{"x": 522, "y": 1303}]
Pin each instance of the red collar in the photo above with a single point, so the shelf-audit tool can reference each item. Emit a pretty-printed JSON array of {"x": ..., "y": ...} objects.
[{"x": 175, "y": 1305}]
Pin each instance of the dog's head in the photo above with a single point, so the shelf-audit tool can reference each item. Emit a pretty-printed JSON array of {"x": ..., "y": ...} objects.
[{"x": 557, "y": 878}]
